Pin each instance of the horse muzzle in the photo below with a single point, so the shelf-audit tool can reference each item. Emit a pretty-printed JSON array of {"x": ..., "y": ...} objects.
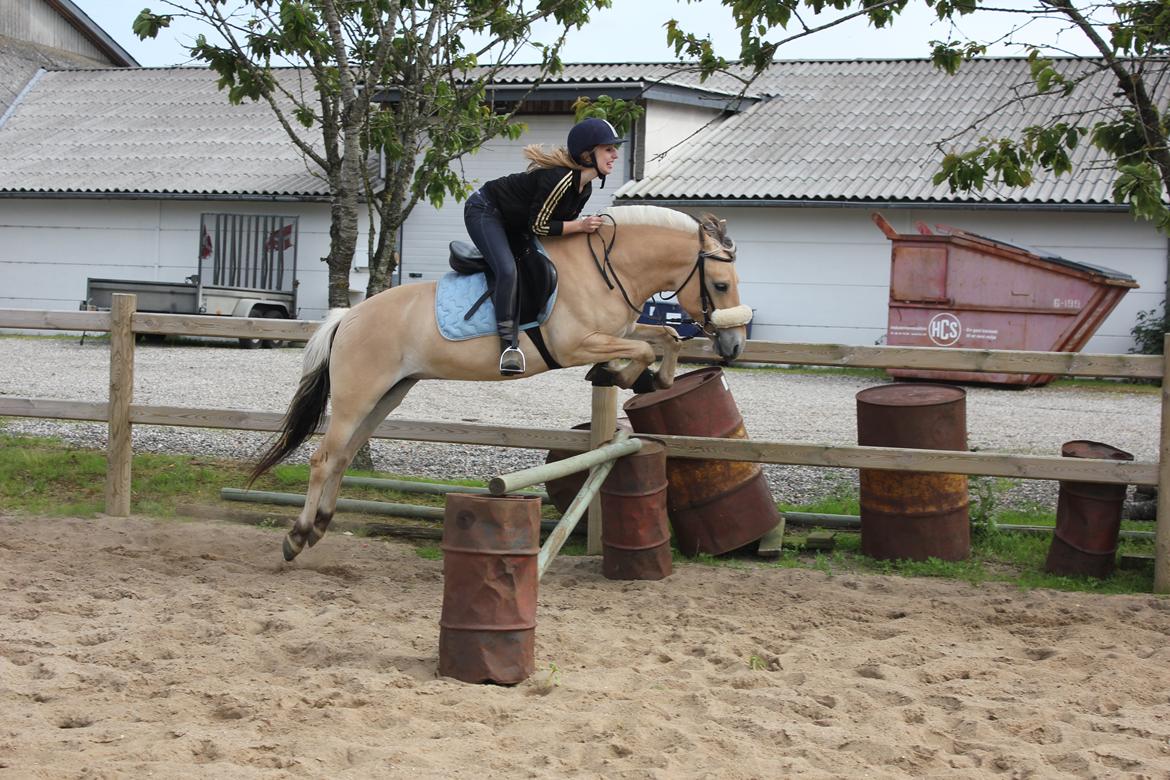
[
  {"x": 730, "y": 330},
  {"x": 729, "y": 343}
]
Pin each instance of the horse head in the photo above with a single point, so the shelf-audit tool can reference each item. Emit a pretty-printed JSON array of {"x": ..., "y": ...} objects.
[{"x": 712, "y": 300}]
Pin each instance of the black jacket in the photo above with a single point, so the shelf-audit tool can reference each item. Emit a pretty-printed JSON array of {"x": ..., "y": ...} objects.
[{"x": 539, "y": 202}]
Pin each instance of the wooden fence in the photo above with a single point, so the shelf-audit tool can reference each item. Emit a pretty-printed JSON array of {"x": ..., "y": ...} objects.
[{"x": 120, "y": 413}]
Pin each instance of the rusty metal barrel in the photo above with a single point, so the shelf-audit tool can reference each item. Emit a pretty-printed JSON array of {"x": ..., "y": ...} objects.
[
  {"x": 562, "y": 490},
  {"x": 635, "y": 531},
  {"x": 488, "y": 625},
  {"x": 1088, "y": 518},
  {"x": 909, "y": 514},
  {"x": 715, "y": 506}
]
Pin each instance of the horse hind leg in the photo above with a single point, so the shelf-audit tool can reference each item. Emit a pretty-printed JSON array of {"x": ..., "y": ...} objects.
[
  {"x": 345, "y": 434},
  {"x": 388, "y": 403}
]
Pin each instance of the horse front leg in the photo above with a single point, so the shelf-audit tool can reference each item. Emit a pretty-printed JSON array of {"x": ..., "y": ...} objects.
[
  {"x": 625, "y": 359},
  {"x": 667, "y": 339}
]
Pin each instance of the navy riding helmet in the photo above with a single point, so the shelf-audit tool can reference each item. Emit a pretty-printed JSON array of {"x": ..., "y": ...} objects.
[{"x": 589, "y": 133}]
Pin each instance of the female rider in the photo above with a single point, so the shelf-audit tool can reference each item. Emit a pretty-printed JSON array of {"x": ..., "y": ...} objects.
[{"x": 545, "y": 200}]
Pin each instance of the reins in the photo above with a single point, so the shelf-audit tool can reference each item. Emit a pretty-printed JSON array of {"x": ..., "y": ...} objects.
[{"x": 602, "y": 268}]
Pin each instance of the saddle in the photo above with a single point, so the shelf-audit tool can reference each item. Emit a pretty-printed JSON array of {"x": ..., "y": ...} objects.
[{"x": 536, "y": 274}]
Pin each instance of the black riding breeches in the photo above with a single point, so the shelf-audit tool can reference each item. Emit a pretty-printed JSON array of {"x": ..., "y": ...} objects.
[{"x": 485, "y": 225}]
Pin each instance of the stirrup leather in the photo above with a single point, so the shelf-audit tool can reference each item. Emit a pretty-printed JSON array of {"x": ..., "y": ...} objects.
[{"x": 512, "y": 361}]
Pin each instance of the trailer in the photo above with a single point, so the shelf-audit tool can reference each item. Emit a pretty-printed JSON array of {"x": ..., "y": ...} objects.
[{"x": 246, "y": 268}]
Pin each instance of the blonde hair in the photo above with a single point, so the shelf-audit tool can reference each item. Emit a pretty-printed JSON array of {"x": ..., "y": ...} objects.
[{"x": 540, "y": 156}]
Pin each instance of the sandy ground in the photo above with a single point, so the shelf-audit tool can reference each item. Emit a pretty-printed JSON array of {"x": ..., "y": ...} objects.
[{"x": 138, "y": 648}]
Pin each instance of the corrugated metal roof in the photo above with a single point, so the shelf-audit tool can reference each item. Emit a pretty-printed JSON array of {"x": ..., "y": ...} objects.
[
  {"x": 867, "y": 131},
  {"x": 148, "y": 130},
  {"x": 846, "y": 130}
]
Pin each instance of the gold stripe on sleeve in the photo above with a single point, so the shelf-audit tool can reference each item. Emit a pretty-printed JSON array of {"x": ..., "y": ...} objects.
[{"x": 540, "y": 227}]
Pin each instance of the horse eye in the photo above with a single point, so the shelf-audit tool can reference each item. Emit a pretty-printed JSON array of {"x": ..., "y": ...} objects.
[{"x": 722, "y": 287}]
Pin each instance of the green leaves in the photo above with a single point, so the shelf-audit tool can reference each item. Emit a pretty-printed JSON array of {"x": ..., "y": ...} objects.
[
  {"x": 620, "y": 113},
  {"x": 1011, "y": 162},
  {"x": 147, "y": 24},
  {"x": 949, "y": 55},
  {"x": 1140, "y": 185},
  {"x": 1142, "y": 28},
  {"x": 698, "y": 50},
  {"x": 964, "y": 172}
]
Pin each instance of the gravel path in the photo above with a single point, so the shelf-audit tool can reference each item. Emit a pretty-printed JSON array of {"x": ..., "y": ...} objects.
[{"x": 815, "y": 408}]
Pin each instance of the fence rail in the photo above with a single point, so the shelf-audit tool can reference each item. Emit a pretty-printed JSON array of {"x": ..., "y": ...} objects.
[{"x": 122, "y": 322}]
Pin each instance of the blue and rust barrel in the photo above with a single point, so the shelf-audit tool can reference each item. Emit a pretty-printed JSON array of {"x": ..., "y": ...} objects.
[
  {"x": 911, "y": 515},
  {"x": 488, "y": 625},
  {"x": 1088, "y": 518},
  {"x": 635, "y": 530},
  {"x": 715, "y": 506}
]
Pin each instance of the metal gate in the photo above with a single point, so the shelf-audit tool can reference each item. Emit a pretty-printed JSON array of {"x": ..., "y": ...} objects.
[{"x": 256, "y": 251}]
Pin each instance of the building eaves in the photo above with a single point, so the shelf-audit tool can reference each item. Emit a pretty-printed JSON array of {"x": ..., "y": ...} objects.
[
  {"x": 92, "y": 32},
  {"x": 670, "y": 83}
]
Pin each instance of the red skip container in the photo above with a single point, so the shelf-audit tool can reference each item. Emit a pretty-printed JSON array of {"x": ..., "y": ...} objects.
[{"x": 962, "y": 290}]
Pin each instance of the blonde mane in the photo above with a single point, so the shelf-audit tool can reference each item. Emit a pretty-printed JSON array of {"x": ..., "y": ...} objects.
[{"x": 656, "y": 216}]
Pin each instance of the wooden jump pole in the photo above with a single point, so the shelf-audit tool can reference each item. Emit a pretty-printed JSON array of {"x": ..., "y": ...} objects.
[
  {"x": 507, "y": 483},
  {"x": 1162, "y": 529},
  {"x": 601, "y": 429},
  {"x": 428, "y": 488},
  {"x": 343, "y": 504},
  {"x": 581, "y": 502},
  {"x": 118, "y": 448}
]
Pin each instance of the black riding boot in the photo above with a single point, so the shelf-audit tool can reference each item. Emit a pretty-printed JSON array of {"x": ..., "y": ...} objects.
[{"x": 511, "y": 358}]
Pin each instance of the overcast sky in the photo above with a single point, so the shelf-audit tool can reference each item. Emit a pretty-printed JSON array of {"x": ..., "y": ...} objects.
[{"x": 632, "y": 31}]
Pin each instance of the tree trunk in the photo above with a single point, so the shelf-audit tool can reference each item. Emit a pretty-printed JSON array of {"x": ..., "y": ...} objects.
[
  {"x": 398, "y": 177},
  {"x": 341, "y": 249},
  {"x": 343, "y": 229},
  {"x": 384, "y": 261}
]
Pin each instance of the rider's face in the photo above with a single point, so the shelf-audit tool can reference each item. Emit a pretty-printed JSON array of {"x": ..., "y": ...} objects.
[{"x": 606, "y": 157}]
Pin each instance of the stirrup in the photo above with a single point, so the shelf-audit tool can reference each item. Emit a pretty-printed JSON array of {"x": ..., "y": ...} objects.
[{"x": 512, "y": 361}]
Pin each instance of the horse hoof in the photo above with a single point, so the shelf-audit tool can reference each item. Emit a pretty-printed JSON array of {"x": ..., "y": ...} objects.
[
  {"x": 290, "y": 551},
  {"x": 315, "y": 536}
]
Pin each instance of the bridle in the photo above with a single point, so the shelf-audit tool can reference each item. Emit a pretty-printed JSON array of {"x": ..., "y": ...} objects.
[{"x": 606, "y": 269}]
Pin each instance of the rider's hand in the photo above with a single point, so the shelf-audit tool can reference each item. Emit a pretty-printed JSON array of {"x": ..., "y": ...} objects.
[{"x": 590, "y": 224}]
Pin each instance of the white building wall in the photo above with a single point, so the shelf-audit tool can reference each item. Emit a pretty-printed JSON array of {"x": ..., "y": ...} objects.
[
  {"x": 821, "y": 275},
  {"x": 429, "y": 230},
  {"x": 812, "y": 274},
  {"x": 669, "y": 125},
  {"x": 50, "y": 246}
]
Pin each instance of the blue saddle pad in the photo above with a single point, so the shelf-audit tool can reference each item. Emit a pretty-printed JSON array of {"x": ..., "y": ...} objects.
[{"x": 456, "y": 293}]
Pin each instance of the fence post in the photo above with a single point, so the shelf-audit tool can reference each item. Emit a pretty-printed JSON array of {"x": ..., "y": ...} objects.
[
  {"x": 601, "y": 429},
  {"x": 1162, "y": 531},
  {"x": 118, "y": 448}
]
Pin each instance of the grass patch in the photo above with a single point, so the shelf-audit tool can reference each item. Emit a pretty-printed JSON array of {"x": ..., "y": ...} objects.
[
  {"x": 864, "y": 373},
  {"x": 998, "y": 554},
  {"x": 41, "y": 476},
  {"x": 1106, "y": 385}
]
